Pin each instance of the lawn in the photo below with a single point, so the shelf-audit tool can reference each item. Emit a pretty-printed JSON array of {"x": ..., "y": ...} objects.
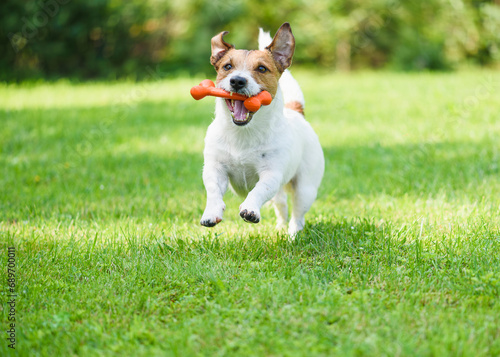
[{"x": 101, "y": 196}]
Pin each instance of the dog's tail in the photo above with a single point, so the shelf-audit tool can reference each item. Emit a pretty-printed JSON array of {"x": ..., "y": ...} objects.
[{"x": 292, "y": 94}]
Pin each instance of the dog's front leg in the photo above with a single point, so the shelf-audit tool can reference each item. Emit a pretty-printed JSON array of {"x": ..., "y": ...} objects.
[
  {"x": 215, "y": 180},
  {"x": 266, "y": 188}
]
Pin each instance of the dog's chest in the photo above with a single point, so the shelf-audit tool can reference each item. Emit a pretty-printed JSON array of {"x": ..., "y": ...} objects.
[{"x": 243, "y": 170}]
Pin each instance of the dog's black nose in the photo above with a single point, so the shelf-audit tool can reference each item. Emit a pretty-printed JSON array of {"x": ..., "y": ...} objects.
[{"x": 238, "y": 82}]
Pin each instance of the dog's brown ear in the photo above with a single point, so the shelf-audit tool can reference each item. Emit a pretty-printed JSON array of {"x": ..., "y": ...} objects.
[
  {"x": 219, "y": 47},
  {"x": 283, "y": 46}
]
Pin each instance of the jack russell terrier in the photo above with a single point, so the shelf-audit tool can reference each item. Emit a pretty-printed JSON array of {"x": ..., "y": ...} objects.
[{"x": 265, "y": 154}]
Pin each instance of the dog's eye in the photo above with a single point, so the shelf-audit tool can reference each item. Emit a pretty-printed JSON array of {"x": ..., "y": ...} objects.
[
  {"x": 228, "y": 66},
  {"x": 262, "y": 69}
]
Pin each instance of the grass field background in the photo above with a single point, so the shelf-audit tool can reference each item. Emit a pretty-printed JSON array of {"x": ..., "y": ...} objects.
[{"x": 101, "y": 196}]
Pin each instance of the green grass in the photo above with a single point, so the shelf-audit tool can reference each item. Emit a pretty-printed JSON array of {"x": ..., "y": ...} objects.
[{"x": 101, "y": 195}]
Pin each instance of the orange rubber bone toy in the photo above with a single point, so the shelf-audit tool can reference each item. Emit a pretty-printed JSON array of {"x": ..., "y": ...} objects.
[{"x": 207, "y": 87}]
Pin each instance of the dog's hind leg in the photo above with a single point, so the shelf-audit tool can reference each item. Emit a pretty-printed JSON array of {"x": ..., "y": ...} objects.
[
  {"x": 303, "y": 196},
  {"x": 281, "y": 208}
]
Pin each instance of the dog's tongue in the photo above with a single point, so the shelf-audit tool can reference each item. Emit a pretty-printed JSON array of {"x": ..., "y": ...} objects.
[{"x": 240, "y": 112}]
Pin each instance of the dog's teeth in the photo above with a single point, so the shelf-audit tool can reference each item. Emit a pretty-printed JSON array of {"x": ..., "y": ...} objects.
[{"x": 248, "y": 114}]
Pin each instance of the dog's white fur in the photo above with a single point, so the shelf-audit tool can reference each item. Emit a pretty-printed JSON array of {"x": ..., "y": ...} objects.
[{"x": 275, "y": 153}]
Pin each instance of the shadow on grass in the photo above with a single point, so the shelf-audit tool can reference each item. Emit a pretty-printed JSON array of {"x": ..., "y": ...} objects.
[
  {"x": 342, "y": 237},
  {"x": 357, "y": 250}
]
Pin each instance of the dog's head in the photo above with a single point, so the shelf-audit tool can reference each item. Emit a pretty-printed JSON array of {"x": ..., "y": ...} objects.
[{"x": 250, "y": 72}]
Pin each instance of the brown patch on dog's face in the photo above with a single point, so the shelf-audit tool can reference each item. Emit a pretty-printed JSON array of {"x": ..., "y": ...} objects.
[
  {"x": 259, "y": 65},
  {"x": 266, "y": 71},
  {"x": 227, "y": 64},
  {"x": 264, "y": 68}
]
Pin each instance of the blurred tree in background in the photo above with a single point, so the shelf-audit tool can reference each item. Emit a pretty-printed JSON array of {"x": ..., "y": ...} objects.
[{"x": 115, "y": 38}]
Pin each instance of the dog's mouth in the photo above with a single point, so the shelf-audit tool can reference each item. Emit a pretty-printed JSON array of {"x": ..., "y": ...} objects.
[{"x": 241, "y": 115}]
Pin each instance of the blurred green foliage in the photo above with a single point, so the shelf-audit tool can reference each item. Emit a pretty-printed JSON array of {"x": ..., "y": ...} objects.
[{"x": 115, "y": 38}]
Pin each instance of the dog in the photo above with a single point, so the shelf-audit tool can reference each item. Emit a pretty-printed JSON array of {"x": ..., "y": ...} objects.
[{"x": 266, "y": 154}]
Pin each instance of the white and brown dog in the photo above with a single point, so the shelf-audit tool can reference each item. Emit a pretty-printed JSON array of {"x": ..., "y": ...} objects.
[{"x": 265, "y": 154}]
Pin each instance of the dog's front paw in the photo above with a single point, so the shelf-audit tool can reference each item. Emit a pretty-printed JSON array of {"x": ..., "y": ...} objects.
[
  {"x": 251, "y": 216},
  {"x": 211, "y": 217}
]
